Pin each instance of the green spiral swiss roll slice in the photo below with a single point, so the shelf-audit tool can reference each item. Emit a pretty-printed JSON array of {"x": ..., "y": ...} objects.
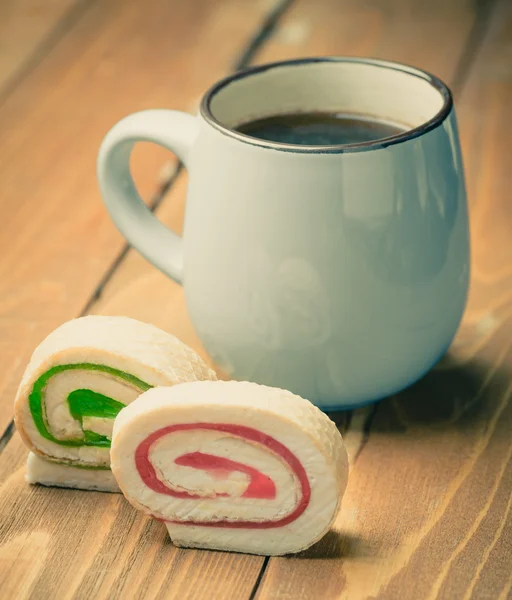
[{"x": 78, "y": 380}]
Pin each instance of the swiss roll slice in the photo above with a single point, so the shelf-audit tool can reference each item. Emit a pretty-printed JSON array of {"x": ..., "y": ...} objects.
[
  {"x": 231, "y": 465},
  {"x": 78, "y": 380}
]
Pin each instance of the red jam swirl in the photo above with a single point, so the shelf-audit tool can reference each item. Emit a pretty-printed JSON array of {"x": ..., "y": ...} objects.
[{"x": 260, "y": 485}]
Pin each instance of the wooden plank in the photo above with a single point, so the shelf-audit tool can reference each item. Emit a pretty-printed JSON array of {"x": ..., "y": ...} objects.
[
  {"x": 428, "y": 508},
  {"x": 24, "y": 26},
  {"x": 57, "y": 238}
]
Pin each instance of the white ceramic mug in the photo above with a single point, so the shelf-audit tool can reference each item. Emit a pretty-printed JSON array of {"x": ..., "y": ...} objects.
[{"x": 338, "y": 272}]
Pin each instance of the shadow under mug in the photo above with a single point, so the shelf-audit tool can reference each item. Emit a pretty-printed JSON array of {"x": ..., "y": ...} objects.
[{"x": 337, "y": 272}]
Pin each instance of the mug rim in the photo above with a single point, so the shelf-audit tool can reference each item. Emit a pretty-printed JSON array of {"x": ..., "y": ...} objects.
[{"x": 409, "y": 134}]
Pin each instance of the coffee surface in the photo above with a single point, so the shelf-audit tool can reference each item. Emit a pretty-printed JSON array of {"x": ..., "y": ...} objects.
[{"x": 319, "y": 129}]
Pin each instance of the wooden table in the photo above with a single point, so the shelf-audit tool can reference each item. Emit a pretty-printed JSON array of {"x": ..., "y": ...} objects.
[{"x": 427, "y": 513}]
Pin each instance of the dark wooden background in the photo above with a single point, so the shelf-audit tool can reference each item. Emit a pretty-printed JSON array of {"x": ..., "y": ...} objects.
[{"x": 427, "y": 513}]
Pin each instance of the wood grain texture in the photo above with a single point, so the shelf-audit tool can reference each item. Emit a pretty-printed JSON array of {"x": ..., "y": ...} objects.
[
  {"x": 24, "y": 26},
  {"x": 428, "y": 510},
  {"x": 122, "y": 56}
]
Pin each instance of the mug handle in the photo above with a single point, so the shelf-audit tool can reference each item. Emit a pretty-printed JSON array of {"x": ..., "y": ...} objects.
[{"x": 171, "y": 129}]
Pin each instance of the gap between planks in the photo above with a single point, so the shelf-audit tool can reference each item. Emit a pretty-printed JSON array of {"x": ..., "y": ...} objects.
[{"x": 483, "y": 10}]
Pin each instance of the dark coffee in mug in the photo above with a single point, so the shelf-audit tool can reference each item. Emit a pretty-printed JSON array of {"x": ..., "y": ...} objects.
[{"x": 320, "y": 129}]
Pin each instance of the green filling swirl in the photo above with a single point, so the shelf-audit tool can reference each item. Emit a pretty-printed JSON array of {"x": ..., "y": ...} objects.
[{"x": 82, "y": 403}]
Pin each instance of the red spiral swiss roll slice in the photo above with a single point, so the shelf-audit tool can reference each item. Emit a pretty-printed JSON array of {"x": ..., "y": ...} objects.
[{"x": 231, "y": 466}]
